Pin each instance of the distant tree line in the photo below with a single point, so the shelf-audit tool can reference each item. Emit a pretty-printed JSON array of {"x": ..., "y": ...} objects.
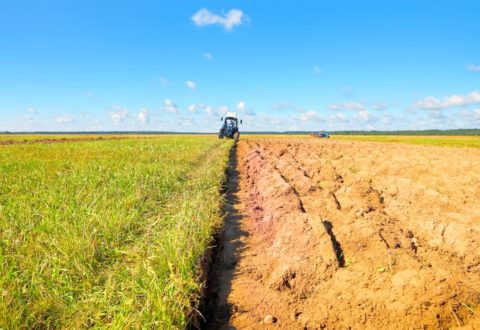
[
  {"x": 452, "y": 132},
  {"x": 462, "y": 131},
  {"x": 458, "y": 132}
]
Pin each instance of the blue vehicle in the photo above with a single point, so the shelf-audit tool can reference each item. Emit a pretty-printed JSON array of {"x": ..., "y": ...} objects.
[
  {"x": 230, "y": 127},
  {"x": 322, "y": 135}
]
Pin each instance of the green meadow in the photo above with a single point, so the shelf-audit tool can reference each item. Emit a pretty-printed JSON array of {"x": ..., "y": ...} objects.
[{"x": 107, "y": 234}]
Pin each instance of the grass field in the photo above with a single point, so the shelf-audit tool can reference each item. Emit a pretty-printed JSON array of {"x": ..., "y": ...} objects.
[
  {"x": 445, "y": 141},
  {"x": 43, "y": 137},
  {"x": 106, "y": 233}
]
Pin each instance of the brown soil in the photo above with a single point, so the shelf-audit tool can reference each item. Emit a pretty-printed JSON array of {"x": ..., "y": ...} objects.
[{"x": 336, "y": 235}]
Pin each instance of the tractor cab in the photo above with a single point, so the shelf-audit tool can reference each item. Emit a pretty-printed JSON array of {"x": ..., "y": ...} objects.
[{"x": 230, "y": 127}]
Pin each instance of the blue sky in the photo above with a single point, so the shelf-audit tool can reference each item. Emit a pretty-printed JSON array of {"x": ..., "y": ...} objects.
[{"x": 281, "y": 65}]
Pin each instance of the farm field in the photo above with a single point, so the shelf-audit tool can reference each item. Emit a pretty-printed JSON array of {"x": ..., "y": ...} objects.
[
  {"x": 338, "y": 234},
  {"x": 106, "y": 234},
  {"x": 6, "y": 139},
  {"x": 445, "y": 141}
]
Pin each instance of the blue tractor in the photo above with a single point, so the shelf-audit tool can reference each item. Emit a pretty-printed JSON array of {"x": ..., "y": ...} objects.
[
  {"x": 322, "y": 135},
  {"x": 230, "y": 127}
]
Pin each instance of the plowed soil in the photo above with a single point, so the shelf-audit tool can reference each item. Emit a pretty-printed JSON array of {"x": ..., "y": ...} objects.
[{"x": 337, "y": 235}]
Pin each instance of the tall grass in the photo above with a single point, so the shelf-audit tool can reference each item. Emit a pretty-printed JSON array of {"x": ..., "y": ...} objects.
[{"x": 106, "y": 233}]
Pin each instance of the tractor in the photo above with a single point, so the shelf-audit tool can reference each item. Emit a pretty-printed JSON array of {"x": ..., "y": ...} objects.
[
  {"x": 230, "y": 127},
  {"x": 322, "y": 135}
]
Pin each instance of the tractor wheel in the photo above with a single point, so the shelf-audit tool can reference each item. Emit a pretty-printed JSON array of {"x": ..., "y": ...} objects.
[{"x": 236, "y": 136}]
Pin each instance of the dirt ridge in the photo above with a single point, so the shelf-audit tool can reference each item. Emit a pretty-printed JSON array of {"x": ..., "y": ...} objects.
[{"x": 338, "y": 235}]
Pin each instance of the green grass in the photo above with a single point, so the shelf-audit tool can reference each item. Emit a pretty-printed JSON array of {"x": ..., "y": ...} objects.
[
  {"x": 40, "y": 137},
  {"x": 106, "y": 233},
  {"x": 444, "y": 141},
  {"x": 35, "y": 137}
]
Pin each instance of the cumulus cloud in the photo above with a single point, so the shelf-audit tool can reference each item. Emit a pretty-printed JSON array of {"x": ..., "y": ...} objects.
[
  {"x": 31, "y": 110},
  {"x": 143, "y": 116},
  {"x": 186, "y": 121},
  {"x": 469, "y": 118},
  {"x": 63, "y": 119},
  {"x": 170, "y": 106},
  {"x": 241, "y": 106},
  {"x": 223, "y": 110},
  {"x": 305, "y": 116},
  {"x": 208, "y": 56},
  {"x": 119, "y": 114},
  {"x": 213, "y": 111},
  {"x": 191, "y": 85},
  {"x": 192, "y": 108},
  {"x": 347, "y": 106},
  {"x": 317, "y": 70},
  {"x": 473, "y": 68},
  {"x": 432, "y": 103},
  {"x": 244, "y": 110},
  {"x": 338, "y": 117},
  {"x": 232, "y": 18},
  {"x": 364, "y": 115},
  {"x": 209, "y": 110}
]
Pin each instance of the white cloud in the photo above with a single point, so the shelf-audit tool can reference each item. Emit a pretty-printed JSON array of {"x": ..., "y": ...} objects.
[
  {"x": 190, "y": 84},
  {"x": 223, "y": 110},
  {"x": 63, "y": 119},
  {"x": 305, "y": 116},
  {"x": 338, "y": 117},
  {"x": 204, "y": 17},
  {"x": 364, "y": 115},
  {"x": 473, "y": 68},
  {"x": 119, "y": 114},
  {"x": 208, "y": 56},
  {"x": 209, "y": 110},
  {"x": 347, "y": 106},
  {"x": 241, "y": 106},
  {"x": 244, "y": 110},
  {"x": 143, "y": 116},
  {"x": 187, "y": 122},
  {"x": 317, "y": 70},
  {"x": 192, "y": 108},
  {"x": 31, "y": 110},
  {"x": 170, "y": 106},
  {"x": 432, "y": 103},
  {"x": 469, "y": 118}
]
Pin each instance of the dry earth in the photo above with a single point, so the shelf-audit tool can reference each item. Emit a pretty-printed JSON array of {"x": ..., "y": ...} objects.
[{"x": 337, "y": 235}]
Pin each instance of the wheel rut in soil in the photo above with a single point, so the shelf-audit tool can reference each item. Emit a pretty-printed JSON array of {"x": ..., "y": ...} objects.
[{"x": 326, "y": 234}]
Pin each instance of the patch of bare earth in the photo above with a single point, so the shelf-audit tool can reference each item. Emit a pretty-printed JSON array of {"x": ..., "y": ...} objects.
[{"x": 326, "y": 234}]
